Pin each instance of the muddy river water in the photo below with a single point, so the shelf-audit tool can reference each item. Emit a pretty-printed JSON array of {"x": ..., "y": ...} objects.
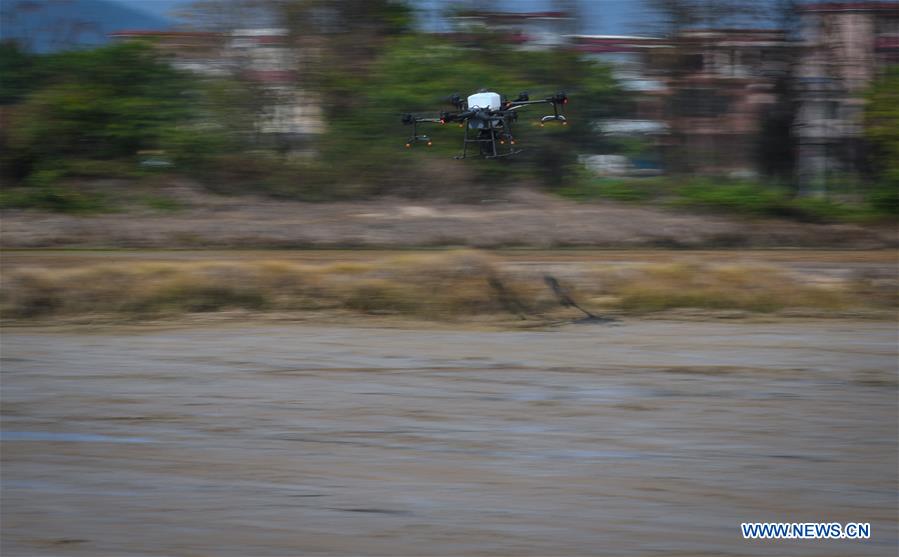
[{"x": 644, "y": 438}]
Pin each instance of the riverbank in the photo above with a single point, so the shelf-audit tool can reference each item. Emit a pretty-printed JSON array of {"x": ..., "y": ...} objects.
[{"x": 446, "y": 285}]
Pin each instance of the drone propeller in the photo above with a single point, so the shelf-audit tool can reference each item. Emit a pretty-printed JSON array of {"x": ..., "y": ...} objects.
[
  {"x": 560, "y": 98},
  {"x": 456, "y": 100}
]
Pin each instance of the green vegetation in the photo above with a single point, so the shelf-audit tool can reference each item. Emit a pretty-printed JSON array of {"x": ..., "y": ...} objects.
[
  {"x": 588, "y": 188},
  {"x": 91, "y": 114},
  {"x": 86, "y": 109},
  {"x": 359, "y": 153},
  {"x": 882, "y": 130},
  {"x": 160, "y": 203},
  {"x": 731, "y": 196},
  {"x": 117, "y": 112},
  {"x": 122, "y": 112},
  {"x": 752, "y": 199},
  {"x": 453, "y": 285},
  {"x": 53, "y": 198}
]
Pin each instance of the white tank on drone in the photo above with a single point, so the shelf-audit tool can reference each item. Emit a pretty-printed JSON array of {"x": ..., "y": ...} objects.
[{"x": 484, "y": 100}]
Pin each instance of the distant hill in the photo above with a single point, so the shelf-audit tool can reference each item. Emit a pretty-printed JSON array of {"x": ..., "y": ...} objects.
[{"x": 51, "y": 25}]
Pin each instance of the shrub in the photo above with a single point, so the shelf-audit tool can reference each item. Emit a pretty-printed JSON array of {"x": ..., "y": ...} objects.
[
  {"x": 53, "y": 198},
  {"x": 632, "y": 190}
]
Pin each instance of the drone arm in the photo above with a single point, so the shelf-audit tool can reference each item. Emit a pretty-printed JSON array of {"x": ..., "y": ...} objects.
[
  {"x": 519, "y": 104},
  {"x": 444, "y": 118},
  {"x": 409, "y": 119},
  {"x": 558, "y": 100},
  {"x": 414, "y": 121}
]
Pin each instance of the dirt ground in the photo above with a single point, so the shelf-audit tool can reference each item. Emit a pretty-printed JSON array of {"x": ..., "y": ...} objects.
[
  {"x": 642, "y": 438},
  {"x": 520, "y": 218}
]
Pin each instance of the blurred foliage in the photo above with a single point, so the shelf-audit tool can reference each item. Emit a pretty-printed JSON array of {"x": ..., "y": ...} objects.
[
  {"x": 737, "y": 196},
  {"x": 417, "y": 74},
  {"x": 446, "y": 285},
  {"x": 633, "y": 190},
  {"x": 53, "y": 198},
  {"x": 91, "y": 113},
  {"x": 111, "y": 112},
  {"x": 97, "y": 105},
  {"x": 727, "y": 195},
  {"x": 19, "y": 71},
  {"x": 882, "y": 130}
]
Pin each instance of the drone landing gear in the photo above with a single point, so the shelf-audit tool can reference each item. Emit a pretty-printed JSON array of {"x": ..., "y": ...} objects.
[
  {"x": 415, "y": 137},
  {"x": 487, "y": 141},
  {"x": 506, "y": 154}
]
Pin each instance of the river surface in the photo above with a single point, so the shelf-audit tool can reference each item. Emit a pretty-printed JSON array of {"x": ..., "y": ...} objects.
[{"x": 641, "y": 438}]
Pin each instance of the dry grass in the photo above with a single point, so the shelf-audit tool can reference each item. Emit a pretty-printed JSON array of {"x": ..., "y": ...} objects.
[
  {"x": 757, "y": 289},
  {"x": 442, "y": 285},
  {"x": 457, "y": 283}
]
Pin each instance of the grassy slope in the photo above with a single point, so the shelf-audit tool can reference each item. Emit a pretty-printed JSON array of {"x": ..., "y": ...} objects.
[{"x": 443, "y": 285}]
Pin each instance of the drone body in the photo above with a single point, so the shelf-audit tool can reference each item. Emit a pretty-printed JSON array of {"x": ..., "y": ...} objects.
[{"x": 487, "y": 119}]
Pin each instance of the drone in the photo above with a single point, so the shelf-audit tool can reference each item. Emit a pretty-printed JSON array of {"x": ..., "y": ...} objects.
[{"x": 487, "y": 118}]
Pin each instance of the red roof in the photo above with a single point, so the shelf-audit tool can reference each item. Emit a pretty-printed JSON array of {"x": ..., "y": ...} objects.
[
  {"x": 509, "y": 38},
  {"x": 615, "y": 44}
]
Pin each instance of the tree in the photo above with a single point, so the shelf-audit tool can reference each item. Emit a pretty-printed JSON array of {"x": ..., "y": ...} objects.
[
  {"x": 100, "y": 104},
  {"x": 882, "y": 131},
  {"x": 19, "y": 70},
  {"x": 416, "y": 73},
  {"x": 339, "y": 40}
]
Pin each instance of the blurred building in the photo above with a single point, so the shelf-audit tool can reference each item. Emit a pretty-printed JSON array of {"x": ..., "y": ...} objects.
[
  {"x": 723, "y": 87},
  {"x": 701, "y": 98},
  {"x": 755, "y": 101},
  {"x": 264, "y": 57},
  {"x": 198, "y": 52},
  {"x": 628, "y": 56},
  {"x": 844, "y": 46},
  {"x": 641, "y": 115},
  {"x": 260, "y": 57},
  {"x": 527, "y": 30}
]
